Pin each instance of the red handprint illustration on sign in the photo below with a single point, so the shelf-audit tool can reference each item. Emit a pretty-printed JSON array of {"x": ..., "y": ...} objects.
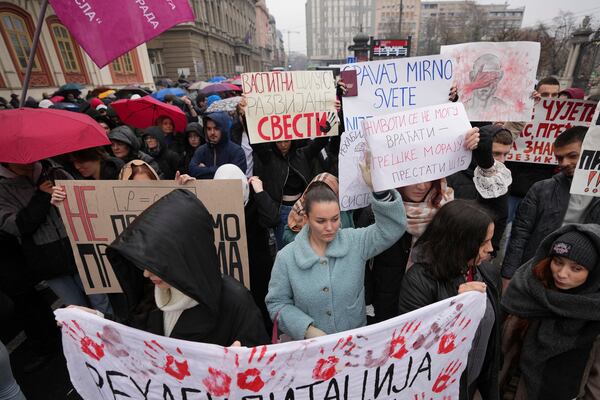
[
  {"x": 401, "y": 342},
  {"x": 88, "y": 345},
  {"x": 252, "y": 378},
  {"x": 217, "y": 383},
  {"x": 448, "y": 340},
  {"x": 328, "y": 366},
  {"x": 178, "y": 369},
  {"x": 446, "y": 377},
  {"x": 425, "y": 397}
]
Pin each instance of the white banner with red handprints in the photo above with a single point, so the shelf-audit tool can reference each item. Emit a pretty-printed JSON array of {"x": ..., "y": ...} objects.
[
  {"x": 586, "y": 179},
  {"x": 420, "y": 355},
  {"x": 495, "y": 79},
  {"x": 551, "y": 117}
]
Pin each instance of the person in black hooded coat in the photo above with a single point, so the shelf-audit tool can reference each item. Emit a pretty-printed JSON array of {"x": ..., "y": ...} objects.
[
  {"x": 156, "y": 147},
  {"x": 194, "y": 138},
  {"x": 173, "y": 243}
]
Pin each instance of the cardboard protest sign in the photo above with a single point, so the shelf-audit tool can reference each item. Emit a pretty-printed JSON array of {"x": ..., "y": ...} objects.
[
  {"x": 417, "y": 355},
  {"x": 385, "y": 87},
  {"x": 495, "y": 79},
  {"x": 417, "y": 145},
  {"x": 587, "y": 175},
  {"x": 290, "y": 105},
  {"x": 551, "y": 117},
  {"x": 96, "y": 212},
  {"x": 107, "y": 30}
]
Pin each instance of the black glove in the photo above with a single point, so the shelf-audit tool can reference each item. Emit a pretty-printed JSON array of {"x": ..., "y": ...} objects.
[{"x": 483, "y": 153}]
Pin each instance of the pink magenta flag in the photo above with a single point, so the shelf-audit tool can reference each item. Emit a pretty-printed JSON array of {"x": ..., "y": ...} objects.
[{"x": 108, "y": 29}]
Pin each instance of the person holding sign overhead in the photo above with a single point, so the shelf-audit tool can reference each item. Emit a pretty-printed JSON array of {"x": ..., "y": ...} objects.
[{"x": 317, "y": 282}]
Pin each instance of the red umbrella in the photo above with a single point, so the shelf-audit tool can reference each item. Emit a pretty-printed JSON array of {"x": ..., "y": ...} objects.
[
  {"x": 31, "y": 134},
  {"x": 143, "y": 112},
  {"x": 220, "y": 87}
]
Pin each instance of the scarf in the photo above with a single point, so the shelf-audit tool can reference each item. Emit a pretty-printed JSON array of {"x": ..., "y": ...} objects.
[
  {"x": 296, "y": 217},
  {"x": 564, "y": 321},
  {"x": 172, "y": 303},
  {"x": 418, "y": 215}
]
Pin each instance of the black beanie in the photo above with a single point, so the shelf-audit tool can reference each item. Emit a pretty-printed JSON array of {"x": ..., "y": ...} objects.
[{"x": 575, "y": 246}]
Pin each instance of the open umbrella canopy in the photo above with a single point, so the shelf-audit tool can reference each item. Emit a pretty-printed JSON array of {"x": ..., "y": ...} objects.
[
  {"x": 143, "y": 112},
  {"x": 98, "y": 90},
  {"x": 226, "y": 105},
  {"x": 74, "y": 88},
  {"x": 220, "y": 87},
  {"x": 160, "y": 95},
  {"x": 31, "y": 134},
  {"x": 127, "y": 91},
  {"x": 217, "y": 79},
  {"x": 199, "y": 85}
]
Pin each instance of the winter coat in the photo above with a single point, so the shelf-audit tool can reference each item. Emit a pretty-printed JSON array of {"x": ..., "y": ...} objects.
[
  {"x": 590, "y": 381},
  {"x": 275, "y": 167},
  {"x": 189, "y": 151},
  {"x": 124, "y": 134},
  {"x": 525, "y": 175},
  {"x": 168, "y": 160},
  {"x": 541, "y": 212},
  {"x": 27, "y": 215},
  {"x": 261, "y": 213},
  {"x": 328, "y": 291},
  {"x": 563, "y": 325},
  {"x": 174, "y": 239},
  {"x": 419, "y": 289},
  {"x": 215, "y": 155}
]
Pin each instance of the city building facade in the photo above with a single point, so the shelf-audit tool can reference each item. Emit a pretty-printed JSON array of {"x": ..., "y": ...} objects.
[
  {"x": 226, "y": 38},
  {"x": 331, "y": 25},
  {"x": 389, "y": 25},
  {"x": 450, "y": 22},
  {"x": 58, "y": 59}
]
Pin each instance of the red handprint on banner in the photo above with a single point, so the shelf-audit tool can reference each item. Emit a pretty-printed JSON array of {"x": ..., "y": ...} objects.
[
  {"x": 252, "y": 378},
  {"x": 425, "y": 397},
  {"x": 445, "y": 378},
  {"x": 178, "y": 369},
  {"x": 401, "y": 342},
  {"x": 88, "y": 345},
  {"x": 217, "y": 383},
  {"x": 329, "y": 365},
  {"x": 448, "y": 340}
]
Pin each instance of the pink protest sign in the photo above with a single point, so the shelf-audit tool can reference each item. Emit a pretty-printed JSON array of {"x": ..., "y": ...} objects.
[{"x": 107, "y": 29}]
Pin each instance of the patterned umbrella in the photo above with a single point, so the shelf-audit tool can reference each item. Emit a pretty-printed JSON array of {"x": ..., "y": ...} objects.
[{"x": 225, "y": 105}]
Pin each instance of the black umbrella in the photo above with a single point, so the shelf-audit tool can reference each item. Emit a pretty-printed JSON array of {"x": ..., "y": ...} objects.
[{"x": 128, "y": 91}]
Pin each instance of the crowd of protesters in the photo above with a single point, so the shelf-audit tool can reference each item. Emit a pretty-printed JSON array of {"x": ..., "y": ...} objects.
[{"x": 509, "y": 230}]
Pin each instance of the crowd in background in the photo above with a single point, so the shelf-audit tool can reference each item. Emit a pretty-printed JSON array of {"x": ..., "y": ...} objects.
[{"x": 509, "y": 230}]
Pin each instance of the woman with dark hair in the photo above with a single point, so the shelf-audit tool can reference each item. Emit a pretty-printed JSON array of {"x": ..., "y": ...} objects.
[
  {"x": 95, "y": 163},
  {"x": 317, "y": 282},
  {"x": 554, "y": 307},
  {"x": 449, "y": 259}
]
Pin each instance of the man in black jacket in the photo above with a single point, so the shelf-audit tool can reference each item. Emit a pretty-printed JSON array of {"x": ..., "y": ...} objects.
[{"x": 548, "y": 205}]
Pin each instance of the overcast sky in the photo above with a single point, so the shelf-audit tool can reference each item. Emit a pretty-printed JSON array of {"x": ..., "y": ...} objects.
[{"x": 290, "y": 15}]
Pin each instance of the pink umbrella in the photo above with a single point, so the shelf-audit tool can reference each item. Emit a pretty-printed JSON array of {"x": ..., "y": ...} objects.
[
  {"x": 220, "y": 87},
  {"x": 143, "y": 112},
  {"x": 31, "y": 134}
]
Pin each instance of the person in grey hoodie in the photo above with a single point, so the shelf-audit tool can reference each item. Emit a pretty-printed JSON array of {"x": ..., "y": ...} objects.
[{"x": 126, "y": 146}]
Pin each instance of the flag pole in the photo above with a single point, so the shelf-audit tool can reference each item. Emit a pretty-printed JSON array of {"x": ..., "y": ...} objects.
[{"x": 32, "y": 51}]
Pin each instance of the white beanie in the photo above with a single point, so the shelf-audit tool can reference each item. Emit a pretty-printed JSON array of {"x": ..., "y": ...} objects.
[
  {"x": 231, "y": 171},
  {"x": 45, "y": 103},
  {"x": 135, "y": 97}
]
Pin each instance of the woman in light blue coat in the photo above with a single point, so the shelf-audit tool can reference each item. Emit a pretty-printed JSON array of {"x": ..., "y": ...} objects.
[{"x": 317, "y": 282}]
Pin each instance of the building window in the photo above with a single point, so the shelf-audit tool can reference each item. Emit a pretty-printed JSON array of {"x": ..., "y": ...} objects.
[
  {"x": 19, "y": 39},
  {"x": 156, "y": 63},
  {"x": 66, "y": 48},
  {"x": 124, "y": 65}
]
